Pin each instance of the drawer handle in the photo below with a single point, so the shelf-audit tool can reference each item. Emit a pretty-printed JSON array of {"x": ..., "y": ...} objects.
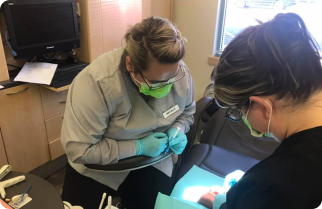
[
  {"x": 62, "y": 102},
  {"x": 17, "y": 92}
]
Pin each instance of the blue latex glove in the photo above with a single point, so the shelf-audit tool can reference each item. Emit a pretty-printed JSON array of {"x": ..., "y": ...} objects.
[
  {"x": 152, "y": 145},
  {"x": 177, "y": 144}
]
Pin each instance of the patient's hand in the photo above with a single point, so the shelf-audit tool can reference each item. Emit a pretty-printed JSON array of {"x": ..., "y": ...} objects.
[{"x": 207, "y": 199}]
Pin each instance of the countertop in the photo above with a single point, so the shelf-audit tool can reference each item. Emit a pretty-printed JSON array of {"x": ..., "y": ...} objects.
[{"x": 11, "y": 83}]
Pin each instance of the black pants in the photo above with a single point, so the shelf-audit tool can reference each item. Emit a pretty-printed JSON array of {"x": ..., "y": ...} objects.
[{"x": 138, "y": 191}]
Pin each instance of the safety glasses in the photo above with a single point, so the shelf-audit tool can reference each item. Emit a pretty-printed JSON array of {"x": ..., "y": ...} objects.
[
  {"x": 233, "y": 113},
  {"x": 172, "y": 80}
]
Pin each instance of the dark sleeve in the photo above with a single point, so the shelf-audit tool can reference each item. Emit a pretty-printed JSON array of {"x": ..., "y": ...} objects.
[
  {"x": 289, "y": 178},
  {"x": 223, "y": 206},
  {"x": 258, "y": 196},
  {"x": 265, "y": 195}
]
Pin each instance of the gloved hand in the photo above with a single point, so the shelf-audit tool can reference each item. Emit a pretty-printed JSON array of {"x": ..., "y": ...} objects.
[
  {"x": 152, "y": 145},
  {"x": 177, "y": 144}
]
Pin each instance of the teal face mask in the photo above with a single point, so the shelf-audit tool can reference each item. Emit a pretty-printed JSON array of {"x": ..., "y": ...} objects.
[
  {"x": 253, "y": 131},
  {"x": 156, "y": 93}
]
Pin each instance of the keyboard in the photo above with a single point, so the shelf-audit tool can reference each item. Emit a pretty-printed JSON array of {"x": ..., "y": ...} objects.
[{"x": 66, "y": 73}]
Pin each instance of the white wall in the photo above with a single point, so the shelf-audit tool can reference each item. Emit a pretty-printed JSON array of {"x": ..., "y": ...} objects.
[{"x": 196, "y": 19}]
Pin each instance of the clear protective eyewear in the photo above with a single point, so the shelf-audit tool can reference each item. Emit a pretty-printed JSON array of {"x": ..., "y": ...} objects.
[
  {"x": 233, "y": 113},
  {"x": 172, "y": 80}
]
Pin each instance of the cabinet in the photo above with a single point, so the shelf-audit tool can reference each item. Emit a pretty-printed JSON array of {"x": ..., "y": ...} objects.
[
  {"x": 53, "y": 127},
  {"x": 54, "y": 107},
  {"x": 3, "y": 156},
  {"x": 56, "y": 149},
  {"x": 23, "y": 128}
]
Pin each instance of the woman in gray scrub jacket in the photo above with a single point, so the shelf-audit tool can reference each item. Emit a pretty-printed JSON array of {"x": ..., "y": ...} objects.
[{"x": 128, "y": 102}]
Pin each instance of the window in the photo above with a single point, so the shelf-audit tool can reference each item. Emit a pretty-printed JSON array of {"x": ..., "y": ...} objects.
[{"x": 236, "y": 15}]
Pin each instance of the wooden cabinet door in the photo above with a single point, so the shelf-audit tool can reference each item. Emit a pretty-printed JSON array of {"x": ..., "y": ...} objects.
[
  {"x": 23, "y": 128},
  {"x": 3, "y": 156}
]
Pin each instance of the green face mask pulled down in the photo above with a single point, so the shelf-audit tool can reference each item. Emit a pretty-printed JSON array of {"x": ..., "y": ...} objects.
[{"x": 253, "y": 131}]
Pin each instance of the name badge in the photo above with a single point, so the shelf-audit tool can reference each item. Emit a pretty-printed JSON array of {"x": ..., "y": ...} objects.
[{"x": 171, "y": 111}]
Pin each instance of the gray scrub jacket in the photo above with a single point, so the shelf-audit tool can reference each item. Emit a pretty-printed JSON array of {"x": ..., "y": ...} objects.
[{"x": 105, "y": 113}]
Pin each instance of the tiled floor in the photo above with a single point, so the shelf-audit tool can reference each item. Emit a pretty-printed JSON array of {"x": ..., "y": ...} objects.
[{"x": 57, "y": 180}]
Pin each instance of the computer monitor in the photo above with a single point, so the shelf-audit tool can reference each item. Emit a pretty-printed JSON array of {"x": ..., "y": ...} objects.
[{"x": 38, "y": 27}]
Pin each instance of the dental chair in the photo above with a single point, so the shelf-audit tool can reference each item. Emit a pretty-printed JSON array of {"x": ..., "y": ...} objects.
[
  {"x": 215, "y": 144},
  {"x": 219, "y": 145}
]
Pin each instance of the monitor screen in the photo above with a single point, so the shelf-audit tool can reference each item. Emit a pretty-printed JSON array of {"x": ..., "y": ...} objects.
[
  {"x": 38, "y": 27},
  {"x": 42, "y": 23}
]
